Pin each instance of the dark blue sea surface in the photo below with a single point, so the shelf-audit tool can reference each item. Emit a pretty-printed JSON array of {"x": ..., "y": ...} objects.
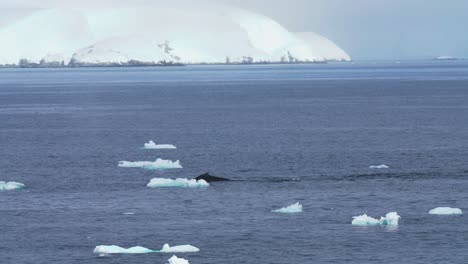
[{"x": 283, "y": 133}]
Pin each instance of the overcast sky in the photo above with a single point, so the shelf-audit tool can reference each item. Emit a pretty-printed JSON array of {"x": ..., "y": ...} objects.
[{"x": 366, "y": 29}]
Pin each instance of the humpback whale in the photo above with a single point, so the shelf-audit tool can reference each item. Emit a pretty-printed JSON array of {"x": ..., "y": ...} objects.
[{"x": 210, "y": 178}]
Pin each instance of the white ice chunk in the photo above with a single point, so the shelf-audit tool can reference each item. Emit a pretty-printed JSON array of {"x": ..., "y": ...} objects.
[
  {"x": 158, "y": 164},
  {"x": 179, "y": 249},
  {"x": 391, "y": 219},
  {"x": 11, "y": 186},
  {"x": 292, "y": 209},
  {"x": 446, "y": 211},
  {"x": 152, "y": 145},
  {"x": 383, "y": 166},
  {"x": 185, "y": 183},
  {"x": 176, "y": 260},
  {"x": 104, "y": 250}
]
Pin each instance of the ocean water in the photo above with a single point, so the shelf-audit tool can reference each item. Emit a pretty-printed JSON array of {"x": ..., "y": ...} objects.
[{"x": 284, "y": 134}]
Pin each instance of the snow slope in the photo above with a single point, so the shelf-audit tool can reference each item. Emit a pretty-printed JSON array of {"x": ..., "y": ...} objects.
[{"x": 151, "y": 33}]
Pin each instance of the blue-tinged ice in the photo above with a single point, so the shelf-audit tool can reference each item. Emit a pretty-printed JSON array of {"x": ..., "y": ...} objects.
[
  {"x": 391, "y": 219},
  {"x": 446, "y": 211},
  {"x": 292, "y": 209},
  {"x": 158, "y": 164},
  {"x": 176, "y": 260},
  {"x": 152, "y": 145},
  {"x": 383, "y": 166},
  {"x": 184, "y": 183},
  {"x": 11, "y": 186}
]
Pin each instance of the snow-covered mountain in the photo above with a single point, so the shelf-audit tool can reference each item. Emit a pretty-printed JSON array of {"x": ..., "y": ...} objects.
[{"x": 153, "y": 34}]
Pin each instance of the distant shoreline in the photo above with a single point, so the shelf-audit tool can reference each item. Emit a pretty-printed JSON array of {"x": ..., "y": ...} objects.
[{"x": 136, "y": 65}]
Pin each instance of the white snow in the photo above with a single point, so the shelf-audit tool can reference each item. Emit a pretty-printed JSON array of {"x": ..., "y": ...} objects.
[
  {"x": 292, "y": 209},
  {"x": 176, "y": 260},
  {"x": 446, "y": 211},
  {"x": 179, "y": 249},
  {"x": 150, "y": 33},
  {"x": 383, "y": 166},
  {"x": 120, "y": 250},
  {"x": 152, "y": 145},
  {"x": 391, "y": 219},
  {"x": 11, "y": 186},
  {"x": 158, "y": 164},
  {"x": 185, "y": 183}
]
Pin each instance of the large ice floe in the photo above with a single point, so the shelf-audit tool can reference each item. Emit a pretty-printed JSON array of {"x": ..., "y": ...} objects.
[
  {"x": 179, "y": 249},
  {"x": 292, "y": 209},
  {"x": 185, "y": 183},
  {"x": 158, "y": 164},
  {"x": 176, "y": 260},
  {"x": 152, "y": 145},
  {"x": 126, "y": 32},
  {"x": 446, "y": 211},
  {"x": 105, "y": 250},
  {"x": 11, "y": 186},
  {"x": 391, "y": 219},
  {"x": 120, "y": 250},
  {"x": 383, "y": 166}
]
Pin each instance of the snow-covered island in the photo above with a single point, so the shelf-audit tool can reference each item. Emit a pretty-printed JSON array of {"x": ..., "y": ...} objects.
[{"x": 153, "y": 35}]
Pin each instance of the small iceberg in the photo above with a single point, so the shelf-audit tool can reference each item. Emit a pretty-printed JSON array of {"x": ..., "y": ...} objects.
[
  {"x": 11, "y": 186},
  {"x": 179, "y": 249},
  {"x": 105, "y": 250},
  {"x": 152, "y": 145},
  {"x": 184, "y": 183},
  {"x": 383, "y": 166},
  {"x": 391, "y": 219},
  {"x": 292, "y": 209},
  {"x": 176, "y": 260},
  {"x": 158, "y": 164},
  {"x": 446, "y": 211}
]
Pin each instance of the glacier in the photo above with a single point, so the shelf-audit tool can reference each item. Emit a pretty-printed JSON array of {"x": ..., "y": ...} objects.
[
  {"x": 391, "y": 219},
  {"x": 446, "y": 211},
  {"x": 154, "y": 34},
  {"x": 185, "y": 183},
  {"x": 292, "y": 209},
  {"x": 152, "y": 145},
  {"x": 11, "y": 186},
  {"x": 176, "y": 260},
  {"x": 158, "y": 164}
]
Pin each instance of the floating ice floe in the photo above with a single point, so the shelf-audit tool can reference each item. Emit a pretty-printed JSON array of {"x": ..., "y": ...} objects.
[
  {"x": 11, "y": 186},
  {"x": 176, "y": 260},
  {"x": 105, "y": 250},
  {"x": 158, "y": 164},
  {"x": 292, "y": 209},
  {"x": 185, "y": 183},
  {"x": 383, "y": 166},
  {"x": 179, "y": 249},
  {"x": 446, "y": 211},
  {"x": 391, "y": 219},
  {"x": 152, "y": 145}
]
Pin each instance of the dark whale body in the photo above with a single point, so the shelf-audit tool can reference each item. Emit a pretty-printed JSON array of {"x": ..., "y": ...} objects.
[{"x": 210, "y": 178}]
